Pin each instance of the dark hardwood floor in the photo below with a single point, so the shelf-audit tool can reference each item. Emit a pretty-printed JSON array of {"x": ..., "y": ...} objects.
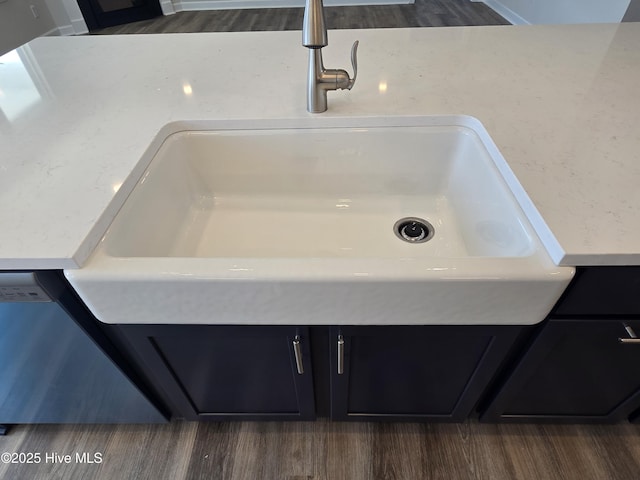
[
  {"x": 423, "y": 13},
  {"x": 328, "y": 451}
]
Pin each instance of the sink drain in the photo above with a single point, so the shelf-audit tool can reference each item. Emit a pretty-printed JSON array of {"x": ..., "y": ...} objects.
[{"x": 413, "y": 230}]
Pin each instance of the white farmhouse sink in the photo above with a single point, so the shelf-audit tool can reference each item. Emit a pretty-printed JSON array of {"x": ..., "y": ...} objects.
[{"x": 293, "y": 224}]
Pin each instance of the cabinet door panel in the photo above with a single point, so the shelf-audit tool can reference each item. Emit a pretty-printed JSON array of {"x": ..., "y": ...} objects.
[
  {"x": 239, "y": 374},
  {"x": 413, "y": 373},
  {"x": 222, "y": 372},
  {"x": 397, "y": 376},
  {"x": 576, "y": 371}
]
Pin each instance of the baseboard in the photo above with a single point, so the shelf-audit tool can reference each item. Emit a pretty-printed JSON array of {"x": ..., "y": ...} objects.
[
  {"x": 167, "y": 7},
  {"x": 183, "y": 6},
  {"x": 508, "y": 14},
  {"x": 54, "y": 32},
  {"x": 66, "y": 30},
  {"x": 77, "y": 27}
]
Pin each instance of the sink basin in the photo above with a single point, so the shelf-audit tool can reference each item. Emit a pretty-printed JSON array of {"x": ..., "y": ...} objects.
[
  {"x": 323, "y": 192},
  {"x": 295, "y": 224}
]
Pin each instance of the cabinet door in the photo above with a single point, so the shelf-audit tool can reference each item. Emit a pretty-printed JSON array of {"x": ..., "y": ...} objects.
[
  {"x": 223, "y": 372},
  {"x": 413, "y": 373},
  {"x": 575, "y": 371}
]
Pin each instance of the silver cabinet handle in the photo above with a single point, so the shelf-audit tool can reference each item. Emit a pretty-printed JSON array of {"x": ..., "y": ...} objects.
[
  {"x": 297, "y": 351},
  {"x": 633, "y": 338},
  {"x": 340, "y": 354}
]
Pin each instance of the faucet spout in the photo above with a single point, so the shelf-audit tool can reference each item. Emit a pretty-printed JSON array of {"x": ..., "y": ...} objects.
[
  {"x": 314, "y": 31},
  {"x": 319, "y": 79}
]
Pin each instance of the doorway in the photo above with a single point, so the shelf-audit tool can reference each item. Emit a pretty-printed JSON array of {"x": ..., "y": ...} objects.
[{"x": 107, "y": 13}]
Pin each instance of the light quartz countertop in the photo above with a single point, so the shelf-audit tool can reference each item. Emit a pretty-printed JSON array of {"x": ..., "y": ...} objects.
[{"x": 561, "y": 102}]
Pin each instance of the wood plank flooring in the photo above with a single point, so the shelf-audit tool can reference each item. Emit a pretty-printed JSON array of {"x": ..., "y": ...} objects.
[
  {"x": 423, "y": 13},
  {"x": 329, "y": 451}
]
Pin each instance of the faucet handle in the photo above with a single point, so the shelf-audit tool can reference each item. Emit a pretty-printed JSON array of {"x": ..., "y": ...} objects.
[{"x": 354, "y": 64}]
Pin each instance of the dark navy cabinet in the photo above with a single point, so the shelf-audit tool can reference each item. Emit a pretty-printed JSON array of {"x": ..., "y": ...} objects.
[
  {"x": 226, "y": 372},
  {"x": 583, "y": 365},
  {"x": 414, "y": 373},
  {"x": 408, "y": 373}
]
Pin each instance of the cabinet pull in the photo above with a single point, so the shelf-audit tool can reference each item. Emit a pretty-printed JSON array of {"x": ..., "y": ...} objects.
[
  {"x": 340, "y": 354},
  {"x": 633, "y": 338},
  {"x": 297, "y": 351}
]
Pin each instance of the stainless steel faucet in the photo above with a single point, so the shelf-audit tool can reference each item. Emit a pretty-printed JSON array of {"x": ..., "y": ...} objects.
[{"x": 319, "y": 79}]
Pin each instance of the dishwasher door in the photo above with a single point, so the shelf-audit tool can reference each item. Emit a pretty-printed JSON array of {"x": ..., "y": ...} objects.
[{"x": 52, "y": 372}]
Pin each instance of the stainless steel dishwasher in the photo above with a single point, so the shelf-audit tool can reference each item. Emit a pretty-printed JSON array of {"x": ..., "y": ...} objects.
[{"x": 53, "y": 365}]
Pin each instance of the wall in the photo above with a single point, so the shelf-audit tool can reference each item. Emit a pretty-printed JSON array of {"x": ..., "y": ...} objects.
[
  {"x": 18, "y": 26},
  {"x": 67, "y": 16},
  {"x": 521, "y": 12}
]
